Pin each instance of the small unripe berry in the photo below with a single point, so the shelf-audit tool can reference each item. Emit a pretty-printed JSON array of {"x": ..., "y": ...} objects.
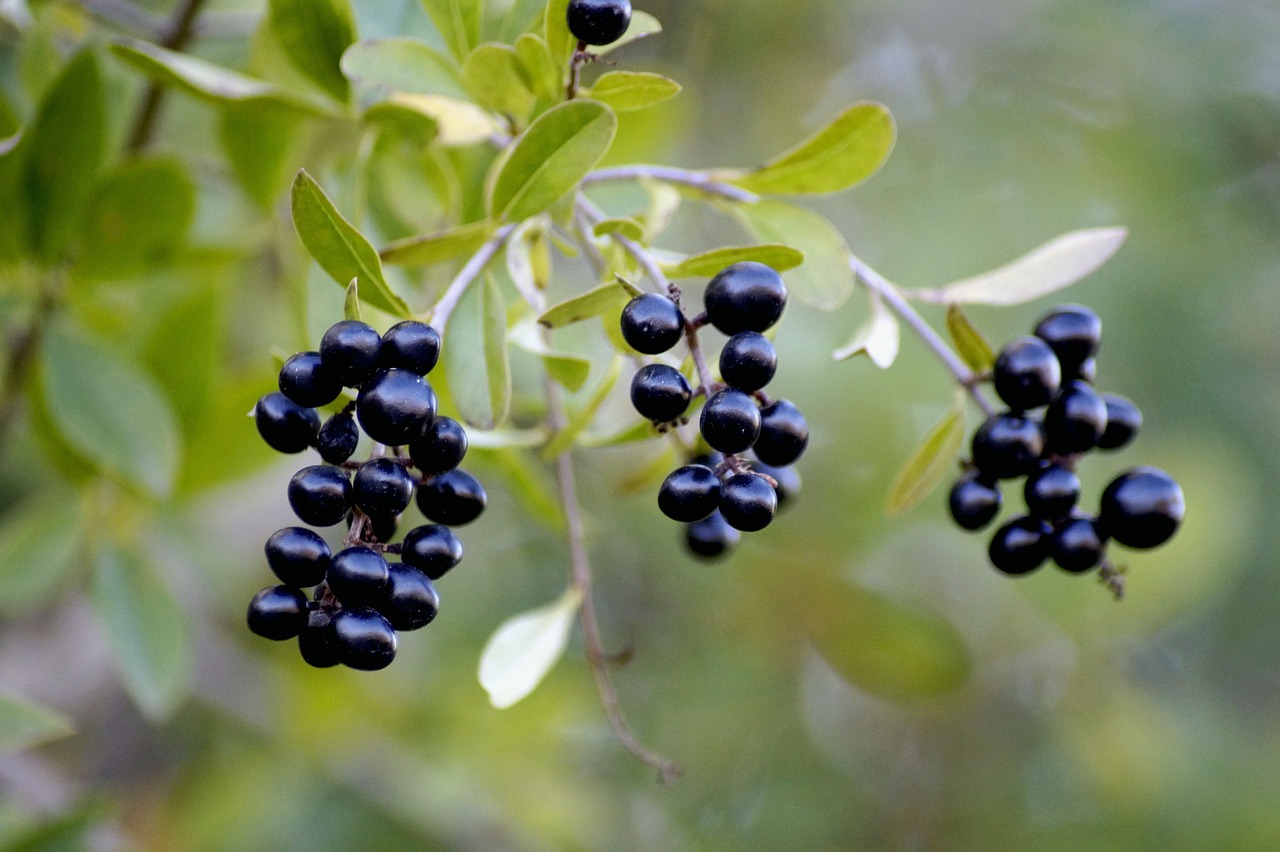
[
  {"x": 1026, "y": 373},
  {"x": 748, "y": 361},
  {"x": 286, "y": 426},
  {"x": 652, "y": 323},
  {"x": 306, "y": 381},
  {"x": 320, "y": 495},
  {"x": 748, "y": 502},
  {"x": 746, "y": 296},
  {"x": 278, "y": 612},
  {"x": 349, "y": 351},
  {"x": 730, "y": 421},
  {"x": 689, "y": 493},
  {"x": 660, "y": 393},
  {"x": 1142, "y": 507},
  {"x": 362, "y": 638},
  {"x": 453, "y": 498},
  {"x": 974, "y": 502}
]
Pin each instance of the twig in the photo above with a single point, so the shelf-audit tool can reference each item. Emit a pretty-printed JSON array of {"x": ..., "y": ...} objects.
[
  {"x": 666, "y": 174},
  {"x": 22, "y": 350},
  {"x": 178, "y": 33},
  {"x": 476, "y": 265}
]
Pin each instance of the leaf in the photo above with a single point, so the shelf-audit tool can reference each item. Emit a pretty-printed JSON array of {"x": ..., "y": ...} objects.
[
  {"x": 593, "y": 303},
  {"x": 970, "y": 344},
  {"x": 628, "y": 91},
  {"x": 40, "y": 543},
  {"x": 137, "y": 218},
  {"x": 314, "y": 34},
  {"x": 642, "y": 25},
  {"x": 569, "y": 371},
  {"x": 547, "y": 161},
  {"x": 475, "y": 356},
  {"x": 545, "y": 77},
  {"x": 825, "y": 280},
  {"x": 24, "y": 724},
  {"x": 525, "y": 648},
  {"x": 351, "y": 303},
  {"x": 146, "y": 630},
  {"x": 1058, "y": 263},
  {"x": 109, "y": 410},
  {"x": 878, "y": 338},
  {"x": 623, "y": 226},
  {"x": 555, "y": 31},
  {"x": 401, "y": 64},
  {"x": 710, "y": 263},
  {"x": 458, "y": 22},
  {"x": 847, "y": 151},
  {"x": 929, "y": 464},
  {"x": 457, "y": 122},
  {"x": 583, "y": 417},
  {"x": 502, "y": 439},
  {"x": 494, "y": 77},
  {"x": 642, "y": 430},
  {"x": 261, "y": 145},
  {"x": 340, "y": 249},
  {"x": 456, "y": 242}
]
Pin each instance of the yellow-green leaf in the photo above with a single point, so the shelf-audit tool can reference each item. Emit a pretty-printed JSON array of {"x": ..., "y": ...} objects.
[
  {"x": 136, "y": 218},
  {"x": 825, "y": 279},
  {"x": 623, "y": 226},
  {"x": 627, "y": 91},
  {"x": 24, "y": 724},
  {"x": 494, "y": 77},
  {"x": 401, "y": 64},
  {"x": 457, "y": 122},
  {"x": 969, "y": 342},
  {"x": 709, "y": 263},
  {"x": 929, "y": 464},
  {"x": 580, "y": 419},
  {"x": 878, "y": 338},
  {"x": 458, "y": 22},
  {"x": 545, "y": 77},
  {"x": 313, "y": 34},
  {"x": 642, "y": 25},
  {"x": 593, "y": 303},
  {"x": 476, "y": 358},
  {"x": 450, "y": 244}
]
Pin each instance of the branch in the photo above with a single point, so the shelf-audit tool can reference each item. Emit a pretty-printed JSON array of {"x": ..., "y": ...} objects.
[
  {"x": 683, "y": 177},
  {"x": 482, "y": 258},
  {"x": 177, "y": 34}
]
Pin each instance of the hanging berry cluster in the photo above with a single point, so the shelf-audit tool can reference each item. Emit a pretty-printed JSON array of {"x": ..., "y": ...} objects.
[
  {"x": 1054, "y": 418},
  {"x": 360, "y": 598},
  {"x": 723, "y": 493}
]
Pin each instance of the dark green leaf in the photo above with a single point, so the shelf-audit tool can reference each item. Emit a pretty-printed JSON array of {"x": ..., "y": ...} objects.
[
  {"x": 402, "y": 65},
  {"x": 314, "y": 33},
  {"x": 972, "y": 346},
  {"x": 929, "y": 464},
  {"x": 454, "y": 243},
  {"x": 826, "y": 279},
  {"x": 709, "y": 263},
  {"x": 475, "y": 356},
  {"x": 580, "y": 419},
  {"x": 24, "y": 724},
  {"x": 458, "y": 22},
  {"x": 40, "y": 543},
  {"x": 595, "y": 302},
  {"x": 137, "y": 218},
  {"x": 627, "y": 91},
  {"x": 494, "y": 77}
]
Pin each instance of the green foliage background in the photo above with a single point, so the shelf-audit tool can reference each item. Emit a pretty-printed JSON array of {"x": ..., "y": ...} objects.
[{"x": 1077, "y": 722}]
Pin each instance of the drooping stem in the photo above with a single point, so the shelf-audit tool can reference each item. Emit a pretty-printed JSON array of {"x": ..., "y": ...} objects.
[
  {"x": 177, "y": 34},
  {"x": 683, "y": 177},
  {"x": 469, "y": 273}
]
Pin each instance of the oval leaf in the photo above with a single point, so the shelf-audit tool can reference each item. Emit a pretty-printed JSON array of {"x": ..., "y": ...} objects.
[
  {"x": 456, "y": 242},
  {"x": 969, "y": 342},
  {"x": 494, "y": 77},
  {"x": 539, "y": 68},
  {"x": 457, "y": 122},
  {"x": 930, "y": 464},
  {"x": 458, "y": 22},
  {"x": 525, "y": 648},
  {"x": 137, "y": 218},
  {"x": 878, "y": 338},
  {"x": 401, "y": 64},
  {"x": 314, "y": 33},
  {"x": 23, "y": 724},
  {"x": 475, "y": 355},
  {"x": 623, "y": 226},
  {"x": 825, "y": 279},
  {"x": 709, "y": 263},
  {"x": 593, "y": 303},
  {"x": 39, "y": 545},
  {"x": 627, "y": 91}
]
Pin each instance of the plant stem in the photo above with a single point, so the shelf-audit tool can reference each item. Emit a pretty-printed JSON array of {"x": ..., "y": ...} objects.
[
  {"x": 576, "y": 62},
  {"x": 475, "y": 266},
  {"x": 177, "y": 34},
  {"x": 683, "y": 177},
  {"x": 21, "y": 354}
]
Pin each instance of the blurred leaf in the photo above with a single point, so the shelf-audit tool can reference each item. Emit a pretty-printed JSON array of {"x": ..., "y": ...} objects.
[
  {"x": 877, "y": 338},
  {"x": 540, "y": 69},
  {"x": 642, "y": 25},
  {"x": 932, "y": 461},
  {"x": 501, "y": 439},
  {"x": 522, "y": 15},
  {"x": 1058, "y": 263},
  {"x": 525, "y": 648},
  {"x": 593, "y": 303},
  {"x": 494, "y": 77},
  {"x": 457, "y": 122},
  {"x": 402, "y": 64},
  {"x": 475, "y": 356},
  {"x": 664, "y": 201},
  {"x": 191, "y": 324},
  {"x": 642, "y": 430},
  {"x": 555, "y": 31},
  {"x": 24, "y": 724},
  {"x": 580, "y": 419},
  {"x": 458, "y": 22},
  {"x": 825, "y": 279},
  {"x": 340, "y": 249},
  {"x": 136, "y": 218},
  {"x": 627, "y": 91},
  {"x": 9, "y": 143},
  {"x": 546, "y": 161},
  {"x": 569, "y": 371},
  {"x": 623, "y": 226},
  {"x": 146, "y": 630},
  {"x": 40, "y": 542},
  {"x": 969, "y": 342},
  {"x": 260, "y": 143},
  {"x": 110, "y": 411},
  {"x": 351, "y": 302},
  {"x": 710, "y": 263},
  {"x": 314, "y": 33},
  {"x": 530, "y": 485}
]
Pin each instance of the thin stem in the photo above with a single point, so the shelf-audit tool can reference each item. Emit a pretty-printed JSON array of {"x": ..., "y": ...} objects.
[
  {"x": 683, "y": 177},
  {"x": 178, "y": 33},
  {"x": 580, "y": 56},
  {"x": 21, "y": 354},
  {"x": 475, "y": 266},
  {"x": 1113, "y": 578}
]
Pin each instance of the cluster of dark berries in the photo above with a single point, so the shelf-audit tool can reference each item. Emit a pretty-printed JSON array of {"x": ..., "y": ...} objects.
[
  {"x": 720, "y": 495},
  {"x": 598, "y": 22},
  {"x": 361, "y": 599},
  {"x": 1054, "y": 418}
]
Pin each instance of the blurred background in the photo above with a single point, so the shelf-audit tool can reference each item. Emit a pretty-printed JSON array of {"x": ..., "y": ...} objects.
[{"x": 971, "y": 711}]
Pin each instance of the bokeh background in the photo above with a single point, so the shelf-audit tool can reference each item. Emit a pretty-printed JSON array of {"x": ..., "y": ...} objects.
[{"x": 1081, "y": 723}]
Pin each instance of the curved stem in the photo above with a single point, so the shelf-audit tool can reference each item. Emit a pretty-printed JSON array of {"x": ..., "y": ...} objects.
[
  {"x": 177, "y": 34},
  {"x": 682, "y": 177},
  {"x": 475, "y": 266}
]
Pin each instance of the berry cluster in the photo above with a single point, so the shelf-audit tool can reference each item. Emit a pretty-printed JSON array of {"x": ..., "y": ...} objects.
[
  {"x": 1054, "y": 418},
  {"x": 721, "y": 494},
  {"x": 360, "y": 598}
]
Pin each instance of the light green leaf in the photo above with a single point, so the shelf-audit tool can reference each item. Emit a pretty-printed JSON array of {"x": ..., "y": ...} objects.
[
  {"x": 623, "y": 226},
  {"x": 709, "y": 263},
  {"x": 627, "y": 91},
  {"x": 351, "y": 303},
  {"x": 136, "y": 218},
  {"x": 340, "y": 249},
  {"x": 457, "y": 122},
  {"x": 642, "y": 25},
  {"x": 24, "y": 724},
  {"x": 547, "y": 161},
  {"x": 642, "y": 430},
  {"x": 664, "y": 201},
  {"x": 494, "y": 77},
  {"x": 313, "y": 34},
  {"x": 969, "y": 342},
  {"x": 458, "y": 22},
  {"x": 540, "y": 69},
  {"x": 596, "y": 302},
  {"x": 826, "y": 279},
  {"x": 878, "y": 338},
  {"x": 503, "y": 439},
  {"x": 525, "y": 648},
  {"x": 146, "y": 630},
  {"x": 1058, "y": 263},
  {"x": 402, "y": 64},
  {"x": 475, "y": 356},
  {"x": 569, "y": 371},
  {"x": 582, "y": 418},
  {"x": 109, "y": 410},
  {"x": 261, "y": 144},
  {"x": 40, "y": 543},
  {"x": 456, "y": 242},
  {"x": 929, "y": 464},
  {"x": 847, "y": 151},
  {"x": 555, "y": 31}
]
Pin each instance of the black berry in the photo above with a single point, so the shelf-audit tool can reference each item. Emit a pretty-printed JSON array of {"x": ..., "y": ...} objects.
[
  {"x": 1073, "y": 332},
  {"x": 297, "y": 556},
  {"x": 377, "y": 529},
  {"x": 278, "y": 612},
  {"x": 730, "y": 421},
  {"x": 787, "y": 479},
  {"x": 410, "y": 345},
  {"x": 1007, "y": 445},
  {"x": 320, "y": 495},
  {"x": 349, "y": 351},
  {"x": 1026, "y": 373},
  {"x": 1124, "y": 419},
  {"x": 313, "y": 642},
  {"x": 411, "y": 600},
  {"x": 306, "y": 381},
  {"x": 974, "y": 502},
  {"x": 286, "y": 426},
  {"x": 711, "y": 536},
  {"x": 338, "y": 438},
  {"x": 1051, "y": 492},
  {"x": 395, "y": 407},
  {"x": 689, "y": 493},
  {"x": 652, "y": 324},
  {"x": 453, "y": 498},
  {"x": 1142, "y": 507},
  {"x": 358, "y": 575},
  {"x": 382, "y": 488},
  {"x": 748, "y": 502},
  {"x": 1078, "y": 544},
  {"x": 1086, "y": 372},
  {"x": 1076, "y": 419},
  {"x": 598, "y": 22},
  {"x": 748, "y": 361},
  {"x": 362, "y": 638},
  {"x": 660, "y": 393},
  {"x": 432, "y": 549},
  {"x": 746, "y": 296},
  {"x": 1020, "y": 546},
  {"x": 784, "y": 434},
  {"x": 442, "y": 447}
]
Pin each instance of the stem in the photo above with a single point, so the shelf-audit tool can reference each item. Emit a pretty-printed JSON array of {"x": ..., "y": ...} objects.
[
  {"x": 1113, "y": 578},
  {"x": 178, "y": 33},
  {"x": 22, "y": 350},
  {"x": 576, "y": 61},
  {"x": 683, "y": 177},
  {"x": 484, "y": 255}
]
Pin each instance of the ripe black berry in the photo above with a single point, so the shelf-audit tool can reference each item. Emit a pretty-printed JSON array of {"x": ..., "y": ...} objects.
[
  {"x": 748, "y": 502},
  {"x": 320, "y": 495},
  {"x": 730, "y": 421},
  {"x": 358, "y": 575},
  {"x": 453, "y": 498},
  {"x": 349, "y": 350},
  {"x": 1078, "y": 544},
  {"x": 306, "y": 381},
  {"x": 1026, "y": 373},
  {"x": 598, "y": 22},
  {"x": 746, "y": 296},
  {"x": 411, "y": 600},
  {"x": 278, "y": 612},
  {"x": 442, "y": 447},
  {"x": 382, "y": 488},
  {"x": 362, "y": 639},
  {"x": 395, "y": 407},
  {"x": 652, "y": 324},
  {"x": 1086, "y": 372},
  {"x": 298, "y": 556},
  {"x": 1124, "y": 419},
  {"x": 748, "y": 361},
  {"x": 338, "y": 438},
  {"x": 1051, "y": 492},
  {"x": 1073, "y": 332},
  {"x": 286, "y": 426},
  {"x": 660, "y": 393},
  {"x": 1142, "y": 507},
  {"x": 974, "y": 502},
  {"x": 1075, "y": 420},
  {"x": 787, "y": 479},
  {"x": 377, "y": 529},
  {"x": 432, "y": 549},
  {"x": 1020, "y": 546},
  {"x": 784, "y": 434},
  {"x": 711, "y": 536},
  {"x": 1007, "y": 445},
  {"x": 410, "y": 345},
  {"x": 313, "y": 642},
  {"x": 689, "y": 493}
]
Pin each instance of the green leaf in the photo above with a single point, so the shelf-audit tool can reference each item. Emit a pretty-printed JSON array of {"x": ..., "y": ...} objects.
[
  {"x": 146, "y": 630},
  {"x": 457, "y": 122},
  {"x": 642, "y": 430},
  {"x": 628, "y": 91},
  {"x": 1058, "y": 263},
  {"x": 351, "y": 304},
  {"x": 583, "y": 417},
  {"x": 547, "y": 161},
  {"x": 642, "y": 25},
  {"x": 456, "y": 242},
  {"x": 40, "y": 542},
  {"x": 109, "y": 410},
  {"x": 340, "y": 249},
  {"x": 545, "y": 77},
  {"x": 878, "y": 338},
  {"x": 494, "y": 77},
  {"x": 24, "y": 724},
  {"x": 313, "y": 34},
  {"x": 475, "y": 356},
  {"x": 525, "y": 647},
  {"x": 826, "y": 278},
  {"x": 458, "y": 22},
  {"x": 623, "y": 226},
  {"x": 596, "y": 302},
  {"x": 969, "y": 342},
  {"x": 402, "y": 64},
  {"x": 568, "y": 370},
  {"x": 932, "y": 461},
  {"x": 847, "y": 151},
  {"x": 261, "y": 144},
  {"x": 709, "y": 263},
  {"x": 137, "y": 218},
  {"x": 555, "y": 31}
]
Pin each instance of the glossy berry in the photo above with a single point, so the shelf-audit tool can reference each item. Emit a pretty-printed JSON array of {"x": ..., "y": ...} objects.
[
  {"x": 306, "y": 381},
  {"x": 652, "y": 324},
  {"x": 1076, "y": 419},
  {"x": 382, "y": 488},
  {"x": 974, "y": 502},
  {"x": 746, "y": 296},
  {"x": 787, "y": 479},
  {"x": 1020, "y": 546},
  {"x": 286, "y": 426},
  {"x": 453, "y": 498},
  {"x": 358, "y": 575},
  {"x": 278, "y": 612},
  {"x": 1007, "y": 445},
  {"x": 1124, "y": 419},
  {"x": 410, "y": 345},
  {"x": 313, "y": 642},
  {"x": 395, "y": 407},
  {"x": 432, "y": 549},
  {"x": 362, "y": 638},
  {"x": 349, "y": 351},
  {"x": 710, "y": 537},
  {"x": 1052, "y": 492},
  {"x": 1142, "y": 507},
  {"x": 1078, "y": 544},
  {"x": 748, "y": 502},
  {"x": 748, "y": 361},
  {"x": 784, "y": 433},
  {"x": 730, "y": 421},
  {"x": 660, "y": 393},
  {"x": 689, "y": 493},
  {"x": 376, "y": 529},
  {"x": 338, "y": 438},
  {"x": 1073, "y": 332},
  {"x": 598, "y": 22},
  {"x": 1026, "y": 373},
  {"x": 442, "y": 447},
  {"x": 411, "y": 600},
  {"x": 297, "y": 556},
  {"x": 1086, "y": 372},
  {"x": 320, "y": 495}
]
